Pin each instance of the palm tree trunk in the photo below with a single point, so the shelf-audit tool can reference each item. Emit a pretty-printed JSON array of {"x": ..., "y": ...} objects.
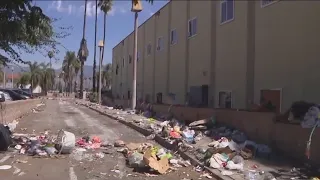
[
  {"x": 81, "y": 79},
  {"x": 82, "y": 60},
  {"x": 95, "y": 50}
]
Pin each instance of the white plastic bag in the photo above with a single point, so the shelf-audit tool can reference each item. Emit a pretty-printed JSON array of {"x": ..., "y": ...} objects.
[{"x": 67, "y": 141}]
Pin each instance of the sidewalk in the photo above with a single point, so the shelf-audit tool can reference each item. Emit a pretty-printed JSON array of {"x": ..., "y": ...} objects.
[{"x": 271, "y": 166}]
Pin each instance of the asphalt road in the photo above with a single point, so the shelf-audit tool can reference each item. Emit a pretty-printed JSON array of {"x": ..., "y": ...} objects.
[{"x": 80, "y": 121}]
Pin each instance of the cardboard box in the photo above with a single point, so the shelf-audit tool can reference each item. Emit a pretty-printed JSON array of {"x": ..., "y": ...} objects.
[{"x": 151, "y": 160}]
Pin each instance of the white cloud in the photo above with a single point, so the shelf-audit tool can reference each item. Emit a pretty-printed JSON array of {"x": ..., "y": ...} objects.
[
  {"x": 59, "y": 7},
  {"x": 91, "y": 9}
]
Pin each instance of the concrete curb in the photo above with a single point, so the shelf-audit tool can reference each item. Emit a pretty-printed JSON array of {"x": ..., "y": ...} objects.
[{"x": 160, "y": 140}]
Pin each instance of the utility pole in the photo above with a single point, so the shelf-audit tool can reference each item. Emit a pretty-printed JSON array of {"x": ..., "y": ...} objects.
[
  {"x": 101, "y": 47},
  {"x": 136, "y": 8}
]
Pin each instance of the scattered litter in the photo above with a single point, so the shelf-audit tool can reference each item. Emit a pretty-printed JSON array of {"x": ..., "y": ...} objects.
[
  {"x": 207, "y": 175},
  {"x": 119, "y": 143},
  {"x": 150, "y": 175},
  {"x": 5, "y": 167},
  {"x": 21, "y": 161},
  {"x": 226, "y": 173},
  {"x": 99, "y": 155}
]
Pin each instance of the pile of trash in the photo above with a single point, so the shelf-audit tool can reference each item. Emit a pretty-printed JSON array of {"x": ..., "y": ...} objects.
[
  {"x": 227, "y": 152},
  {"x": 146, "y": 155},
  {"x": 44, "y": 144}
]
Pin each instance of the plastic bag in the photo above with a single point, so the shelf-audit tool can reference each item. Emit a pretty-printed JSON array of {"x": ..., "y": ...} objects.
[
  {"x": 50, "y": 150},
  {"x": 67, "y": 141},
  {"x": 224, "y": 142},
  {"x": 136, "y": 160},
  {"x": 252, "y": 175},
  {"x": 236, "y": 163}
]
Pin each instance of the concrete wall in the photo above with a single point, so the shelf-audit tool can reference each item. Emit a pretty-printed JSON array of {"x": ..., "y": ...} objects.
[
  {"x": 15, "y": 109},
  {"x": 288, "y": 138}
]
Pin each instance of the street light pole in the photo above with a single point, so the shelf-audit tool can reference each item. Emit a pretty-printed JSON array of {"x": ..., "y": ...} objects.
[
  {"x": 135, "y": 54},
  {"x": 101, "y": 45},
  {"x": 136, "y": 8}
]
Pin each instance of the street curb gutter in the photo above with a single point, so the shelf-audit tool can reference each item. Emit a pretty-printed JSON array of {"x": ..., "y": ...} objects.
[{"x": 215, "y": 173}]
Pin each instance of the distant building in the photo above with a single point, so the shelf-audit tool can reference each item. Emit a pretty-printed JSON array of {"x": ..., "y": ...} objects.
[{"x": 9, "y": 77}]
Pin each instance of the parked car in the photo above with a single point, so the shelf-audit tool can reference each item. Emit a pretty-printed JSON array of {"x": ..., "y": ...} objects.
[
  {"x": 19, "y": 91},
  {"x": 15, "y": 96},
  {"x": 7, "y": 97}
]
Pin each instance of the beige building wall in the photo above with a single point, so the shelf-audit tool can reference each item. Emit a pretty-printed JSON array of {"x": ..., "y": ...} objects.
[
  {"x": 148, "y": 86},
  {"x": 199, "y": 45},
  {"x": 287, "y": 42},
  {"x": 129, "y": 65},
  {"x": 161, "y": 51},
  {"x": 114, "y": 76},
  {"x": 141, "y": 61},
  {"x": 231, "y": 57},
  {"x": 178, "y": 52},
  {"x": 272, "y": 47}
]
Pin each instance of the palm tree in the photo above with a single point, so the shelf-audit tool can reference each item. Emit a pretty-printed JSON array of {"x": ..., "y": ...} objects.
[
  {"x": 95, "y": 49},
  {"x": 76, "y": 67},
  {"x": 50, "y": 55},
  {"x": 83, "y": 51},
  {"x": 25, "y": 79},
  {"x": 105, "y": 6},
  {"x": 106, "y": 74},
  {"x": 35, "y": 74},
  {"x": 47, "y": 77},
  {"x": 70, "y": 60}
]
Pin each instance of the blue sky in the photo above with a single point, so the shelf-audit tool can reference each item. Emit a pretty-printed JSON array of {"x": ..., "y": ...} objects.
[{"x": 119, "y": 25}]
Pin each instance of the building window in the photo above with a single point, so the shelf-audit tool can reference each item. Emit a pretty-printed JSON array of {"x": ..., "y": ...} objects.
[
  {"x": 130, "y": 59},
  {"x": 192, "y": 27},
  {"x": 225, "y": 99},
  {"x": 117, "y": 69},
  {"x": 138, "y": 56},
  {"x": 122, "y": 62},
  {"x": 267, "y": 2},
  {"x": 173, "y": 37},
  {"x": 160, "y": 44},
  {"x": 149, "y": 49},
  {"x": 227, "y": 11}
]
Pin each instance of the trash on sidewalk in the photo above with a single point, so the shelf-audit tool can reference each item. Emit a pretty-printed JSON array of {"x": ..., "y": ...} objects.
[
  {"x": 5, "y": 167},
  {"x": 224, "y": 148},
  {"x": 152, "y": 161},
  {"x": 5, "y": 138}
]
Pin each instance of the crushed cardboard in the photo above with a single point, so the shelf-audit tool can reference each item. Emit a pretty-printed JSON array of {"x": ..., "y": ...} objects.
[{"x": 151, "y": 160}]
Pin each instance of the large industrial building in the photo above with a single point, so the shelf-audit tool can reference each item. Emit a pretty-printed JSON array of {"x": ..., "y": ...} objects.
[{"x": 226, "y": 54}]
